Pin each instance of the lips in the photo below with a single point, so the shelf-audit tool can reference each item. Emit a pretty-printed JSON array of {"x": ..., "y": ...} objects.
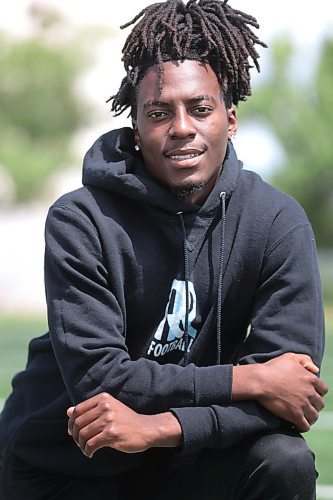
[{"x": 184, "y": 154}]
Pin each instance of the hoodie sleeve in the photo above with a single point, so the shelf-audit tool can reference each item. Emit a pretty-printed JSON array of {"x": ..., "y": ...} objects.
[
  {"x": 223, "y": 426},
  {"x": 287, "y": 316},
  {"x": 88, "y": 329}
]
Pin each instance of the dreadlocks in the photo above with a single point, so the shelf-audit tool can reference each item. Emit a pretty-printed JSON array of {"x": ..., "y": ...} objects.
[{"x": 206, "y": 30}]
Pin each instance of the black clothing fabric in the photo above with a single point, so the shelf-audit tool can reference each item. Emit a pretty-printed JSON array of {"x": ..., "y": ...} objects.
[
  {"x": 134, "y": 278},
  {"x": 276, "y": 466}
]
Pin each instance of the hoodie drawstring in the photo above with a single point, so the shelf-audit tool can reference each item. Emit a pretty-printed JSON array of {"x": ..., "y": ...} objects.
[
  {"x": 187, "y": 301},
  {"x": 219, "y": 288},
  {"x": 220, "y": 283}
]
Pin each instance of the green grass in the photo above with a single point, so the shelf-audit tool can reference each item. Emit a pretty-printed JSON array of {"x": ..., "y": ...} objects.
[
  {"x": 320, "y": 437},
  {"x": 15, "y": 334}
]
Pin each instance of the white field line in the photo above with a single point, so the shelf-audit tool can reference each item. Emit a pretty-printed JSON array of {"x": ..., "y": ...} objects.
[
  {"x": 325, "y": 422},
  {"x": 325, "y": 492}
]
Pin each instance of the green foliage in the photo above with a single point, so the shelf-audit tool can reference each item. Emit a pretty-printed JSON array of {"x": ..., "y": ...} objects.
[
  {"x": 300, "y": 114},
  {"x": 38, "y": 110},
  {"x": 326, "y": 271}
]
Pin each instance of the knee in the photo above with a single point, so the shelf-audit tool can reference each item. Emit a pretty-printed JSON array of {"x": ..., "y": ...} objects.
[
  {"x": 285, "y": 454},
  {"x": 286, "y": 462}
]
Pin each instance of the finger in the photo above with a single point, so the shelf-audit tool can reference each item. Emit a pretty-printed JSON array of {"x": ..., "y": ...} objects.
[
  {"x": 307, "y": 362},
  {"x": 70, "y": 410},
  {"x": 82, "y": 422},
  {"x": 311, "y": 367},
  {"x": 317, "y": 402},
  {"x": 311, "y": 415},
  {"x": 71, "y": 420},
  {"x": 302, "y": 424},
  {"x": 89, "y": 432},
  {"x": 94, "y": 444},
  {"x": 83, "y": 408},
  {"x": 70, "y": 423},
  {"x": 87, "y": 405},
  {"x": 321, "y": 387}
]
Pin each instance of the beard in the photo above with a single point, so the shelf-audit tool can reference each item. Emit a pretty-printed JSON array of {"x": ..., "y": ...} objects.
[{"x": 184, "y": 191}]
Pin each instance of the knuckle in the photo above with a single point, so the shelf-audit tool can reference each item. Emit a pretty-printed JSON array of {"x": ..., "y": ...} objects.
[
  {"x": 108, "y": 418},
  {"x": 304, "y": 425},
  {"x": 110, "y": 431},
  {"x": 89, "y": 445},
  {"x": 312, "y": 393},
  {"x": 105, "y": 406},
  {"x": 104, "y": 396},
  {"x": 299, "y": 415},
  {"x": 77, "y": 423},
  {"x": 78, "y": 409},
  {"x": 84, "y": 433},
  {"x": 104, "y": 402}
]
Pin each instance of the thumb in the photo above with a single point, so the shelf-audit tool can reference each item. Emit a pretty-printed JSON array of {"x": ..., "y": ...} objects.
[{"x": 307, "y": 362}]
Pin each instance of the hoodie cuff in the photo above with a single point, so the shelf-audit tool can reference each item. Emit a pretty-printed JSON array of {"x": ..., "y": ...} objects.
[
  {"x": 223, "y": 426},
  {"x": 213, "y": 385},
  {"x": 199, "y": 426}
]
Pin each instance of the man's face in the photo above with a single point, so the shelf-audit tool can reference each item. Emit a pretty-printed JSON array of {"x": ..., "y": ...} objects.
[{"x": 183, "y": 131}]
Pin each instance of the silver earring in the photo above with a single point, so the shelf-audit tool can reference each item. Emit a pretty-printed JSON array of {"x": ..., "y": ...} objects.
[{"x": 137, "y": 147}]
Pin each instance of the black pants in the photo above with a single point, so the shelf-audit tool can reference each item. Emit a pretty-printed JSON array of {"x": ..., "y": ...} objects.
[{"x": 266, "y": 467}]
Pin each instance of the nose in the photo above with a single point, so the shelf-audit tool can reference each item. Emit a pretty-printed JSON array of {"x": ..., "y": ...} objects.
[{"x": 182, "y": 125}]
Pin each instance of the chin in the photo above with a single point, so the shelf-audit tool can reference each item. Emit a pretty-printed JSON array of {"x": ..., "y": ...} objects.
[{"x": 187, "y": 189}]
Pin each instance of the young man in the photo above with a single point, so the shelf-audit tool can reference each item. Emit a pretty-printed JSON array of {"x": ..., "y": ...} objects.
[{"x": 184, "y": 303}]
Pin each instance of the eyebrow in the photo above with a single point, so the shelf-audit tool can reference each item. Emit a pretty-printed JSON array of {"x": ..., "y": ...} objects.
[{"x": 164, "y": 104}]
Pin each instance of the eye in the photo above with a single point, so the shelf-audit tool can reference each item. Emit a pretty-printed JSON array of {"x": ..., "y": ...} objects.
[
  {"x": 203, "y": 110},
  {"x": 157, "y": 115}
]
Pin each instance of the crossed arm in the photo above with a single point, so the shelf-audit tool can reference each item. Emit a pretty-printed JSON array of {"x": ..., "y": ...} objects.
[{"x": 287, "y": 386}]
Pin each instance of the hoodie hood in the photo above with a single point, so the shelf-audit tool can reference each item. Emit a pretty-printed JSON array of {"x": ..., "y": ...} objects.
[{"x": 113, "y": 164}]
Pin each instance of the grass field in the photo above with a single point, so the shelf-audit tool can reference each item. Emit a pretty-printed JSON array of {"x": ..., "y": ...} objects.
[{"x": 15, "y": 334}]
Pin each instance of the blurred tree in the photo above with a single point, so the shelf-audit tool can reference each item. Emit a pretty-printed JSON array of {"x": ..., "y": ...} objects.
[
  {"x": 300, "y": 115},
  {"x": 39, "y": 111}
]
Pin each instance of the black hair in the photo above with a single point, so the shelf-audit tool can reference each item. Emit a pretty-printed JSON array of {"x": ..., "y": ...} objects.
[{"x": 209, "y": 31}]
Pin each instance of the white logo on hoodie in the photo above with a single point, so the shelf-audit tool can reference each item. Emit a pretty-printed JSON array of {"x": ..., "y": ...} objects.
[{"x": 170, "y": 332}]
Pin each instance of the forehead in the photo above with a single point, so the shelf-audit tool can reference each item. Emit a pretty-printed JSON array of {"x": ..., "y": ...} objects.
[{"x": 181, "y": 80}]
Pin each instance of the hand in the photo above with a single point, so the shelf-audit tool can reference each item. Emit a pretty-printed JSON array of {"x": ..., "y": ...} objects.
[
  {"x": 291, "y": 389},
  {"x": 104, "y": 421}
]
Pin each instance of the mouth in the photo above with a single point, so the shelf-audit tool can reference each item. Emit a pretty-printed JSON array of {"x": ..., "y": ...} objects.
[{"x": 185, "y": 157}]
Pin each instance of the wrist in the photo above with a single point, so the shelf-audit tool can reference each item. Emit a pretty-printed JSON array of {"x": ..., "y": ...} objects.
[
  {"x": 164, "y": 430},
  {"x": 247, "y": 382}
]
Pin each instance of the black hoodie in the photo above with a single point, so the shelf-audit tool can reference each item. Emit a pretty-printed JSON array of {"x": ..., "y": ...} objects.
[{"x": 121, "y": 253}]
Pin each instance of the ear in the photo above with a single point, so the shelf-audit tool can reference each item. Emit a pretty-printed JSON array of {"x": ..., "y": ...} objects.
[
  {"x": 136, "y": 132},
  {"x": 232, "y": 122}
]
